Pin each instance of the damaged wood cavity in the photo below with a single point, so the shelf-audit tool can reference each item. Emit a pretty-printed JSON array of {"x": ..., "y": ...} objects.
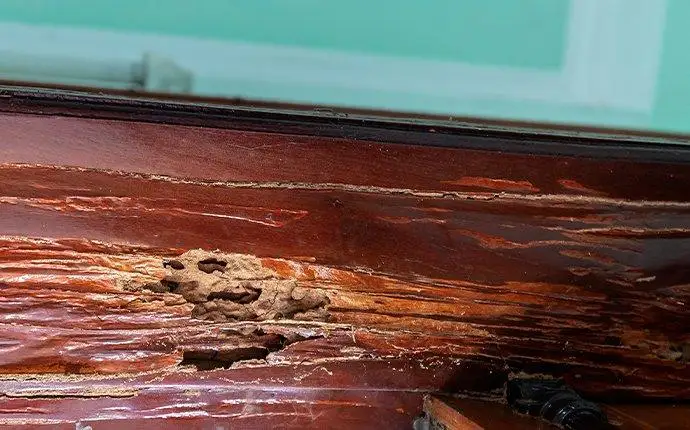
[
  {"x": 253, "y": 347},
  {"x": 237, "y": 287}
]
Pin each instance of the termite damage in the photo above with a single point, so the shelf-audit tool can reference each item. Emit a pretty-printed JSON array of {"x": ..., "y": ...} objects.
[{"x": 237, "y": 287}]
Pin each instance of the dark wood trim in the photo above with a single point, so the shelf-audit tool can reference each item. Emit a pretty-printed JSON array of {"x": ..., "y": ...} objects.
[
  {"x": 449, "y": 413},
  {"x": 504, "y": 137},
  {"x": 447, "y": 268}
]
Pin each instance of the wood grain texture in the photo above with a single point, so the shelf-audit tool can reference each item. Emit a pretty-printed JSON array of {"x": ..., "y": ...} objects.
[
  {"x": 221, "y": 408},
  {"x": 472, "y": 414},
  {"x": 646, "y": 417},
  {"x": 447, "y": 270},
  {"x": 469, "y": 414}
]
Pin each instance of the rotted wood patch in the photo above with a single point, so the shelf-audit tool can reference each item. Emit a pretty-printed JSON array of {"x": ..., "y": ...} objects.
[
  {"x": 89, "y": 309},
  {"x": 236, "y": 287}
]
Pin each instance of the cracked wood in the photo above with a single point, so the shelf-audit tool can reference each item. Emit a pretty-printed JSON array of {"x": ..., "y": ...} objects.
[{"x": 444, "y": 270}]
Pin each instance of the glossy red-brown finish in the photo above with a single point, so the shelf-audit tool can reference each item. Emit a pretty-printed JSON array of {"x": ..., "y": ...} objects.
[
  {"x": 645, "y": 417},
  {"x": 447, "y": 269},
  {"x": 451, "y": 413},
  {"x": 220, "y": 155},
  {"x": 221, "y": 408},
  {"x": 471, "y": 414}
]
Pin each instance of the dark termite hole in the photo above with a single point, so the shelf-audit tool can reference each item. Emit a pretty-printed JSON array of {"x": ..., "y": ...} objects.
[
  {"x": 175, "y": 264},
  {"x": 210, "y": 265},
  {"x": 209, "y": 360},
  {"x": 223, "y": 359},
  {"x": 248, "y": 295},
  {"x": 162, "y": 286}
]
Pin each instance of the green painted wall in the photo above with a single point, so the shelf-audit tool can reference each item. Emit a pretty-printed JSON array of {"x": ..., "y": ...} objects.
[
  {"x": 521, "y": 33},
  {"x": 524, "y": 34},
  {"x": 672, "y": 104}
]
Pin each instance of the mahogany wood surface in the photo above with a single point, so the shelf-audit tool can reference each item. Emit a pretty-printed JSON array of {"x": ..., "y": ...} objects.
[
  {"x": 470, "y": 414},
  {"x": 649, "y": 416},
  {"x": 448, "y": 269}
]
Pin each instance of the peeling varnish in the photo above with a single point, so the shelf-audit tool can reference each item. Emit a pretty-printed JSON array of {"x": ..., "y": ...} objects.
[
  {"x": 326, "y": 186},
  {"x": 83, "y": 393},
  {"x": 126, "y": 207},
  {"x": 635, "y": 233},
  {"x": 321, "y": 274},
  {"x": 592, "y": 256},
  {"x": 32, "y": 421},
  {"x": 494, "y": 184},
  {"x": 498, "y": 242},
  {"x": 403, "y": 220},
  {"x": 570, "y": 184},
  {"x": 658, "y": 346}
]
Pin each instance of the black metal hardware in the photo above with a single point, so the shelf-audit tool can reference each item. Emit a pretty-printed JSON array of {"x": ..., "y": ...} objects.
[{"x": 555, "y": 402}]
